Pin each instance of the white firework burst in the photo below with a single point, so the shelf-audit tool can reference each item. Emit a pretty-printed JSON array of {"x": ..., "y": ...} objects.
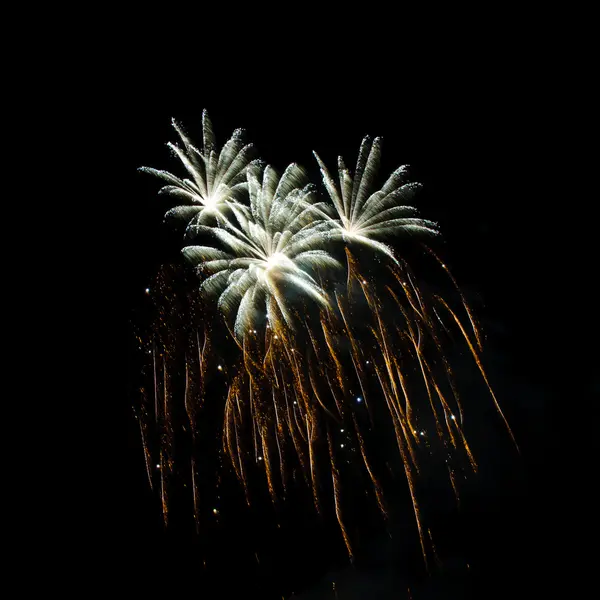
[
  {"x": 270, "y": 253},
  {"x": 363, "y": 214},
  {"x": 216, "y": 179}
]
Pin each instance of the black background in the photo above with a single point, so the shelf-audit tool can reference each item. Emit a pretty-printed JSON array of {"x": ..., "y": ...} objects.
[{"x": 477, "y": 122}]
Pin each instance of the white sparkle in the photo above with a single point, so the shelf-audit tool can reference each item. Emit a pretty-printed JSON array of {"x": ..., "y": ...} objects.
[
  {"x": 220, "y": 368},
  {"x": 359, "y": 399},
  {"x": 453, "y": 417},
  {"x": 215, "y": 511}
]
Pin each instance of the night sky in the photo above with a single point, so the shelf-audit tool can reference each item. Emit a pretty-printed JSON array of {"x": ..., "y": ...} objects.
[{"x": 476, "y": 135}]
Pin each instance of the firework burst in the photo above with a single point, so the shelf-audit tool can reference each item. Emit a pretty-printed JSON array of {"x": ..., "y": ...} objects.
[
  {"x": 326, "y": 362},
  {"x": 274, "y": 245},
  {"x": 363, "y": 214},
  {"x": 216, "y": 179}
]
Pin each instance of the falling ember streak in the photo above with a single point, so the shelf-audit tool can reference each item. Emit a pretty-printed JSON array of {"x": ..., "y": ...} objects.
[
  {"x": 409, "y": 435},
  {"x": 252, "y": 418},
  {"x": 401, "y": 440},
  {"x": 409, "y": 478},
  {"x": 404, "y": 288},
  {"x": 445, "y": 407},
  {"x": 311, "y": 459},
  {"x": 481, "y": 369},
  {"x": 195, "y": 496},
  {"x": 476, "y": 331},
  {"x": 163, "y": 491},
  {"x": 416, "y": 291},
  {"x": 355, "y": 355},
  {"x": 147, "y": 456},
  {"x": 335, "y": 475},
  {"x": 452, "y": 476},
  {"x": 155, "y": 383},
  {"x": 374, "y": 480},
  {"x": 319, "y": 381},
  {"x": 267, "y": 463},
  {"x": 229, "y": 432},
  {"x": 329, "y": 342},
  {"x": 186, "y": 397},
  {"x": 318, "y": 398},
  {"x": 427, "y": 386},
  {"x": 435, "y": 554},
  {"x": 279, "y": 440},
  {"x": 298, "y": 377}
]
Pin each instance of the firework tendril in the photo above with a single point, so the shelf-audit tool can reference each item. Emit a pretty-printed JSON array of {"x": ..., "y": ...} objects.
[{"x": 323, "y": 352}]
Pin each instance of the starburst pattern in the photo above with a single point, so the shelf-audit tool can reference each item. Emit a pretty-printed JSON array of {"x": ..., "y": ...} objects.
[
  {"x": 366, "y": 359},
  {"x": 216, "y": 179},
  {"x": 274, "y": 245},
  {"x": 363, "y": 214}
]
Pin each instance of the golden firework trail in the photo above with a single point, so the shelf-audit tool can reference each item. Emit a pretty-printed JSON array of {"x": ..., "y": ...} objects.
[{"x": 312, "y": 351}]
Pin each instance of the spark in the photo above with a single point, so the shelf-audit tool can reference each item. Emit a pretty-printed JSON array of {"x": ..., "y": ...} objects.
[
  {"x": 272, "y": 247},
  {"x": 269, "y": 264},
  {"x": 218, "y": 179},
  {"x": 363, "y": 214}
]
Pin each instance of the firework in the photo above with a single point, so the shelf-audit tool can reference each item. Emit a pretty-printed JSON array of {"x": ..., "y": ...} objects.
[
  {"x": 273, "y": 245},
  {"x": 327, "y": 359},
  {"x": 216, "y": 179},
  {"x": 364, "y": 215}
]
